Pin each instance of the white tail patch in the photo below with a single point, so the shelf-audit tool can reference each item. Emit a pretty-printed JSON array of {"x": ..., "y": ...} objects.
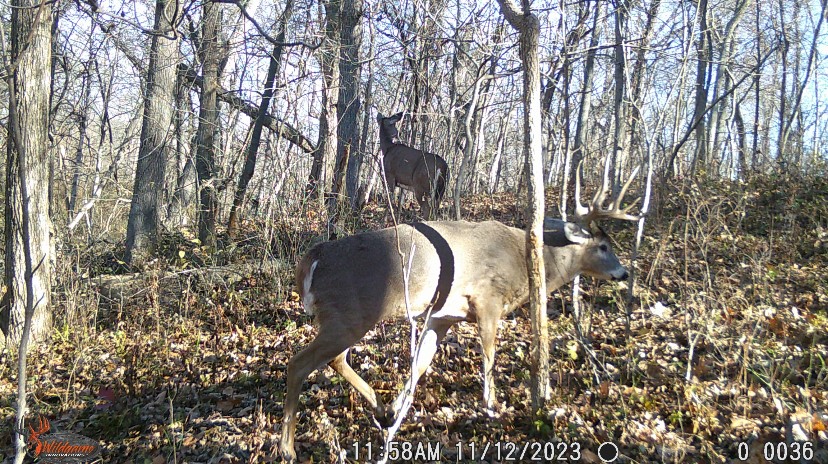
[{"x": 308, "y": 299}]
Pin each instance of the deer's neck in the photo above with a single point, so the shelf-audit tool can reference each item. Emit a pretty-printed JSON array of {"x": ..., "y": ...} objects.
[
  {"x": 561, "y": 265},
  {"x": 386, "y": 143}
]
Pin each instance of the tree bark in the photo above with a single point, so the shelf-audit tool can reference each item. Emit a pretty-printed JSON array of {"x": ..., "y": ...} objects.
[
  {"x": 185, "y": 181},
  {"x": 702, "y": 84},
  {"x": 142, "y": 228},
  {"x": 326, "y": 145},
  {"x": 620, "y": 107},
  {"x": 348, "y": 104},
  {"x": 210, "y": 52},
  {"x": 25, "y": 311},
  {"x": 528, "y": 27},
  {"x": 28, "y": 268},
  {"x": 83, "y": 123}
]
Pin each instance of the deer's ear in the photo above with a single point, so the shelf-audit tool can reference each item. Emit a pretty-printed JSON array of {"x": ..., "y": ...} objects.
[
  {"x": 380, "y": 117},
  {"x": 576, "y": 234},
  {"x": 397, "y": 116}
]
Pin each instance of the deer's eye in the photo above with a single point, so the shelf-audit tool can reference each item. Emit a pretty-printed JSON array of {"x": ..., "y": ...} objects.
[{"x": 603, "y": 247}]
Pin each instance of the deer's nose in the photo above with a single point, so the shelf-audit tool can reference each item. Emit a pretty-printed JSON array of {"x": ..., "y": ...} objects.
[{"x": 624, "y": 276}]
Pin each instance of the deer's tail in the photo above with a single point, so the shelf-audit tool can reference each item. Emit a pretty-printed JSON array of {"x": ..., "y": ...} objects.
[
  {"x": 440, "y": 183},
  {"x": 304, "y": 277}
]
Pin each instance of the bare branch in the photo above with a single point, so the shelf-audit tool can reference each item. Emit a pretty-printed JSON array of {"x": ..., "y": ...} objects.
[
  {"x": 272, "y": 40},
  {"x": 281, "y": 128}
]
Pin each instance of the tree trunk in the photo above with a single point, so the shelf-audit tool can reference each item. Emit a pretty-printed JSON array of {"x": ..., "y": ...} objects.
[
  {"x": 620, "y": 106},
  {"x": 702, "y": 84},
  {"x": 528, "y": 27},
  {"x": 723, "y": 81},
  {"x": 741, "y": 143},
  {"x": 185, "y": 180},
  {"x": 638, "y": 74},
  {"x": 210, "y": 52},
  {"x": 781, "y": 154},
  {"x": 326, "y": 144},
  {"x": 83, "y": 124},
  {"x": 800, "y": 83},
  {"x": 279, "y": 127},
  {"x": 757, "y": 79},
  {"x": 462, "y": 173},
  {"x": 350, "y": 40},
  {"x": 497, "y": 162},
  {"x": 28, "y": 267},
  {"x": 142, "y": 228},
  {"x": 365, "y": 190},
  {"x": 584, "y": 110},
  {"x": 25, "y": 311}
]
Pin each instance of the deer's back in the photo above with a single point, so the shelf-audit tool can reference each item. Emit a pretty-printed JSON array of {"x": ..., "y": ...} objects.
[
  {"x": 451, "y": 264},
  {"x": 405, "y": 162}
]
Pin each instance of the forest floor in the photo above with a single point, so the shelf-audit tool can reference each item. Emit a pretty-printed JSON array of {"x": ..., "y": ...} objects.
[{"x": 724, "y": 351}]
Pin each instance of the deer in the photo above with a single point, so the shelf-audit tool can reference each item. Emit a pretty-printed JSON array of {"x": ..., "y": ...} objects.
[
  {"x": 452, "y": 271},
  {"x": 424, "y": 174}
]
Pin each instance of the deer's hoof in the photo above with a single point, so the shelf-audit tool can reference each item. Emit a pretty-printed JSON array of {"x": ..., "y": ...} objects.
[
  {"x": 385, "y": 417},
  {"x": 288, "y": 454},
  {"x": 494, "y": 410}
]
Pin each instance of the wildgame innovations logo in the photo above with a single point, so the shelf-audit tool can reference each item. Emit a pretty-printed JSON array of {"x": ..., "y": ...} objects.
[{"x": 60, "y": 447}]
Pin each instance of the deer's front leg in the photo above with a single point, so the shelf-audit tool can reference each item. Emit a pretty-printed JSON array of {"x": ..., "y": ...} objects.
[
  {"x": 426, "y": 349},
  {"x": 487, "y": 325}
]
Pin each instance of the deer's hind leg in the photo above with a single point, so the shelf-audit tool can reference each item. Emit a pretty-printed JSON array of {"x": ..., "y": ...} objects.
[
  {"x": 425, "y": 203},
  {"x": 332, "y": 341},
  {"x": 341, "y": 366}
]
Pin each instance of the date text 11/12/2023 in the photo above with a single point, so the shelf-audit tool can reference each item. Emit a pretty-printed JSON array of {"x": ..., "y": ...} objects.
[
  {"x": 461, "y": 452},
  {"x": 544, "y": 451}
]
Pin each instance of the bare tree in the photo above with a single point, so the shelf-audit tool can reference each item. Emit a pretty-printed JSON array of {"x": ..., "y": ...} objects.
[
  {"x": 142, "y": 228},
  {"x": 528, "y": 27},
  {"x": 619, "y": 149},
  {"x": 211, "y": 56},
  {"x": 579, "y": 145},
  {"x": 83, "y": 124},
  {"x": 471, "y": 107},
  {"x": 723, "y": 81},
  {"x": 796, "y": 108},
  {"x": 185, "y": 181},
  {"x": 703, "y": 52},
  {"x": 28, "y": 264},
  {"x": 348, "y": 103},
  {"x": 252, "y": 151},
  {"x": 25, "y": 308},
  {"x": 326, "y": 146}
]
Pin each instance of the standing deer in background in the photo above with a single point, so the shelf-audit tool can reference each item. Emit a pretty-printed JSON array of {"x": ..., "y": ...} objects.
[
  {"x": 458, "y": 271},
  {"x": 423, "y": 173}
]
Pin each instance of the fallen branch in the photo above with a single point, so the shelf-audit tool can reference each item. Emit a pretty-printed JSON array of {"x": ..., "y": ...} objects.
[{"x": 279, "y": 127}]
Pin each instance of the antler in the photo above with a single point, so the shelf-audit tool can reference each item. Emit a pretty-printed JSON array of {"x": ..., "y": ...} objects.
[{"x": 595, "y": 210}]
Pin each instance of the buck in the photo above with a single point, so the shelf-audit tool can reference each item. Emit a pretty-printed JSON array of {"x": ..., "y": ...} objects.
[
  {"x": 456, "y": 271},
  {"x": 423, "y": 173}
]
